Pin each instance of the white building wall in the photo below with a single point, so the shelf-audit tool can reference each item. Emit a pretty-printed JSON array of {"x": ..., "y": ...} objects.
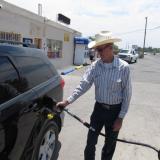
[
  {"x": 18, "y": 24},
  {"x": 29, "y": 25}
]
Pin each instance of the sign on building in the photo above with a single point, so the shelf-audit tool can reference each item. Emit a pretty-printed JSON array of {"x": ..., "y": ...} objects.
[{"x": 10, "y": 36}]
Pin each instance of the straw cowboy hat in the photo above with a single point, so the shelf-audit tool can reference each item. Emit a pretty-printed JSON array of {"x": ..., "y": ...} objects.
[{"x": 104, "y": 37}]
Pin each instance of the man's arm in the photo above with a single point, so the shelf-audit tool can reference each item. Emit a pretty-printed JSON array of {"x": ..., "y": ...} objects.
[
  {"x": 84, "y": 85},
  {"x": 126, "y": 92}
]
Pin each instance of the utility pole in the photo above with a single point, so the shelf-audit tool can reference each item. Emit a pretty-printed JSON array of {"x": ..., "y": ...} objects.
[{"x": 144, "y": 37}]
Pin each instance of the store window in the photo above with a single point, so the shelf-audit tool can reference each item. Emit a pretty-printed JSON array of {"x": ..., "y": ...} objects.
[
  {"x": 10, "y": 36},
  {"x": 54, "y": 48}
]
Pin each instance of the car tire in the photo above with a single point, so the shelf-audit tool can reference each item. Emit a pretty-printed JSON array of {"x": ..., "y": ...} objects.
[
  {"x": 130, "y": 61},
  {"x": 47, "y": 142}
]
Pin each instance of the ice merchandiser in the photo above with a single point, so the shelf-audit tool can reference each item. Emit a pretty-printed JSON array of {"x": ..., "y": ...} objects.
[{"x": 81, "y": 55}]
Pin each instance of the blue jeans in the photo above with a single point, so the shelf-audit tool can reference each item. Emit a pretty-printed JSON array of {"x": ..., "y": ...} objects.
[{"x": 102, "y": 117}]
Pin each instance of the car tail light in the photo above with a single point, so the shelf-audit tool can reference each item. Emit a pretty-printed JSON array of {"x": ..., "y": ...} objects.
[{"x": 62, "y": 83}]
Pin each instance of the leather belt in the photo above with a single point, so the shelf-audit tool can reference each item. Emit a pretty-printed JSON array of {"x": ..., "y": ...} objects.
[{"x": 108, "y": 106}]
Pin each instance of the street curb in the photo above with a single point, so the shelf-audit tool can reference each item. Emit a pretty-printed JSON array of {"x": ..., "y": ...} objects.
[
  {"x": 67, "y": 71},
  {"x": 78, "y": 67}
]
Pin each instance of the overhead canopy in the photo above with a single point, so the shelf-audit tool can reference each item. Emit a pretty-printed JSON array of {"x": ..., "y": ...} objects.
[{"x": 81, "y": 40}]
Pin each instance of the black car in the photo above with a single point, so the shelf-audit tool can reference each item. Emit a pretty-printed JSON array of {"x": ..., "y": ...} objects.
[{"x": 29, "y": 89}]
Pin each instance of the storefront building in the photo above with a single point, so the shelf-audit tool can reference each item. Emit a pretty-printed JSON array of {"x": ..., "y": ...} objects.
[{"x": 20, "y": 25}]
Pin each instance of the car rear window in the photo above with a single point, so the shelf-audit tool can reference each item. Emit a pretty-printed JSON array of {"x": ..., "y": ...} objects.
[
  {"x": 7, "y": 71},
  {"x": 8, "y": 80},
  {"x": 34, "y": 70}
]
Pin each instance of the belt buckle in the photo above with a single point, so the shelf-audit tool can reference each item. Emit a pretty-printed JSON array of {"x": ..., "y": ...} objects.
[{"x": 107, "y": 106}]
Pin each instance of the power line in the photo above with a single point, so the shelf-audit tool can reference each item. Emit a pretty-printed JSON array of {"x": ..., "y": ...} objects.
[
  {"x": 123, "y": 33},
  {"x": 158, "y": 27},
  {"x": 138, "y": 30}
]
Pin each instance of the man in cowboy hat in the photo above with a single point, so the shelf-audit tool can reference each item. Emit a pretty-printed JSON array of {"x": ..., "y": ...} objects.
[{"x": 111, "y": 77}]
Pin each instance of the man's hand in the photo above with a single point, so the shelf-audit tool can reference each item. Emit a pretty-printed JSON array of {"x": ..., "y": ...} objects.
[
  {"x": 61, "y": 105},
  {"x": 117, "y": 124}
]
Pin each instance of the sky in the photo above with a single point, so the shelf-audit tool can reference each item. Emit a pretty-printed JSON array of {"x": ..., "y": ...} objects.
[{"x": 124, "y": 18}]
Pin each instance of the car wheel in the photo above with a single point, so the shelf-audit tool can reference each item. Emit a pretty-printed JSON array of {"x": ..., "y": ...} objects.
[
  {"x": 135, "y": 60},
  {"x": 130, "y": 61},
  {"x": 46, "y": 145}
]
